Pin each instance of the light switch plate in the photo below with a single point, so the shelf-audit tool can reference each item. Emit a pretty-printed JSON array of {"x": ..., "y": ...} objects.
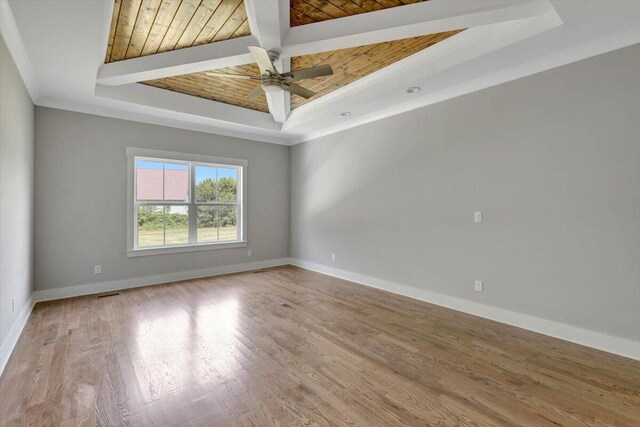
[{"x": 477, "y": 216}]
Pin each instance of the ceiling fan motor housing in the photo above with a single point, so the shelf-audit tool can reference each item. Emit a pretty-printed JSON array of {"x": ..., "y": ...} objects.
[{"x": 271, "y": 85}]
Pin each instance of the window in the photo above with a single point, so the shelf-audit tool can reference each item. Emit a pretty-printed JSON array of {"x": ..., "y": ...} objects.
[{"x": 182, "y": 202}]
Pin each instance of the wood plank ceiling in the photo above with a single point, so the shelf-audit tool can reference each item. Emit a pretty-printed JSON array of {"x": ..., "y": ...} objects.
[
  {"x": 229, "y": 91},
  {"x": 304, "y": 12},
  {"x": 354, "y": 63},
  {"x": 146, "y": 27}
]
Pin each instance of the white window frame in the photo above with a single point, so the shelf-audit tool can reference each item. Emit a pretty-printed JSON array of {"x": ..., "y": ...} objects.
[{"x": 194, "y": 159}]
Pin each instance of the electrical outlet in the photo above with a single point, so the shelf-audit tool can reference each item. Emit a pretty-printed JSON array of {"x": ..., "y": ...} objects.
[
  {"x": 477, "y": 216},
  {"x": 333, "y": 257},
  {"x": 248, "y": 252},
  {"x": 478, "y": 285},
  {"x": 13, "y": 305},
  {"x": 97, "y": 269}
]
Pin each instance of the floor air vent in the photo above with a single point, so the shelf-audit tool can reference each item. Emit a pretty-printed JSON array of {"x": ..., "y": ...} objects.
[{"x": 112, "y": 294}]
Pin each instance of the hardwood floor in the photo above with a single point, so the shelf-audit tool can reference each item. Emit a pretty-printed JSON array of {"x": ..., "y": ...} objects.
[{"x": 288, "y": 346}]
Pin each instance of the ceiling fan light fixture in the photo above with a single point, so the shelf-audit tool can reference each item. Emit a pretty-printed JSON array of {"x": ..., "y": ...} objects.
[
  {"x": 413, "y": 89},
  {"x": 345, "y": 114},
  {"x": 271, "y": 87}
]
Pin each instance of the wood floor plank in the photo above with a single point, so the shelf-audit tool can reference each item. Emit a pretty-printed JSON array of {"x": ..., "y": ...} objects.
[{"x": 286, "y": 346}]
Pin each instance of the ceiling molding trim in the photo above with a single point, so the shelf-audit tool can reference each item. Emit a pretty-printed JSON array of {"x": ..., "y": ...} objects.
[
  {"x": 13, "y": 40},
  {"x": 600, "y": 46},
  {"x": 131, "y": 112},
  {"x": 217, "y": 113},
  {"x": 404, "y": 22}
]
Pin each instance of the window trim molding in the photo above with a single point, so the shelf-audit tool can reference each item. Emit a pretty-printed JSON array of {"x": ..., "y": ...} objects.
[{"x": 132, "y": 152}]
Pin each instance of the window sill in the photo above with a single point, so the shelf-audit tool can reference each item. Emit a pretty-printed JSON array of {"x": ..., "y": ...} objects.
[{"x": 189, "y": 248}]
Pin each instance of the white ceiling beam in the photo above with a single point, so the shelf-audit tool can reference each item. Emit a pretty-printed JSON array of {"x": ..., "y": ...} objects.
[
  {"x": 174, "y": 103},
  {"x": 206, "y": 57},
  {"x": 265, "y": 21},
  {"x": 407, "y": 21}
]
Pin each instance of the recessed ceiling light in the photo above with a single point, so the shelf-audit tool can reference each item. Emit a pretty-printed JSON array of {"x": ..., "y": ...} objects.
[
  {"x": 413, "y": 89},
  {"x": 345, "y": 114}
]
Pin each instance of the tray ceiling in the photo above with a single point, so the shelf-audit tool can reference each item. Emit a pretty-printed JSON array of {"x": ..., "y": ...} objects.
[
  {"x": 354, "y": 63},
  {"x": 146, "y": 27},
  {"x": 503, "y": 40},
  {"x": 348, "y": 65},
  {"x": 304, "y": 12}
]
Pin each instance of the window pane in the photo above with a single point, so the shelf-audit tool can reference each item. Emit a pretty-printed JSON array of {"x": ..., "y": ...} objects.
[
  {"x": 149, "y": 180},
  {"x": 227, "y": 224},
  {"x": 162, "y": 181},
  {"x": 177, "y": 225},
  {"x": 176, "y": 182},
  {"x": 206, "y": 180},
  {"x": 150, "y": 226},
  {"x": 227, "y": 185},
  {"x": 163, "y": 225},
  {"x": 207, "y": 224}
]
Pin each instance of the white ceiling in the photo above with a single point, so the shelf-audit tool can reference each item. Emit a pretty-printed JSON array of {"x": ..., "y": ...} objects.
[{"x": 59, "y": 48}]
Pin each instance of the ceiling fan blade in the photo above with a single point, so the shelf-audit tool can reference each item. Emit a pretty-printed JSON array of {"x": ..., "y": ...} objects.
[
  {"x": 309, "y": 73},
  {"x": 261, "y": 56},
  {"x": 256, "y": 93},
  {"x": 232, "y": 76},
  {"x": 299, "y": 90}
]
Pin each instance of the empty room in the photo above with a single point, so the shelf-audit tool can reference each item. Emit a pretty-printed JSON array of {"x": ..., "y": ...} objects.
[{"x": 319, "y": 213}]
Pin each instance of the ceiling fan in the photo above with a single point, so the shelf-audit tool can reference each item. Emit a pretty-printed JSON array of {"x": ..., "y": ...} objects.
[{"x": 272, "y": 82}]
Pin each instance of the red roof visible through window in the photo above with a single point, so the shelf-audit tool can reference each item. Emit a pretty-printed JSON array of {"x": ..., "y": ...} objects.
[{"x": 149, "y": 184}]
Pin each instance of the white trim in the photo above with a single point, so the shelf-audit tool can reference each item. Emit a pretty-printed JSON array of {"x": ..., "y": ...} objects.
[
  {"x": 178, "y": 105},
  {"x": 616, "y": 345},
  {"x": 187, "y": 157},
  {"x": 264, "y": 22},
  {"x": 241, "y": 165},
  {"x": 404, "y": 22},
  {"x": 185, "y": 248},
  {"x": 13, "y": 39},
  {"x": 12, "y": 337},
  {"x": 116, "y": 285},
  {"x": 416, "y": 69},
  {"x": 225, "y": 53},
  {"x": 615, "y": 41},
  {"x": 172, "y": 119}
]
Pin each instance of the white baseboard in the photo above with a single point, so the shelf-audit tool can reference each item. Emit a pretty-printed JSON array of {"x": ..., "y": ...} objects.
[
  {"x": 600, "y": 341},
  {"x": 14, "y": 333},
  {"x": 115, "y": 285}
]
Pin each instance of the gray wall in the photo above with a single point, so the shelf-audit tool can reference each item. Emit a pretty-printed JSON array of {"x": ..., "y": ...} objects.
[
  {"x": 81, "y": 198},
  {"x": 552, "y": 160},
  {"x": 16, "y": 191}
]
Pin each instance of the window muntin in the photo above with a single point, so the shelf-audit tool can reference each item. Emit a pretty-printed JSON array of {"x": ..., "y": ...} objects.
[{"x": 181, "y": 203}]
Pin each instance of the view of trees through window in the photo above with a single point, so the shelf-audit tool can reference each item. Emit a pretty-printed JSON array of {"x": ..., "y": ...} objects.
[{"x": 215, "y": 200}]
